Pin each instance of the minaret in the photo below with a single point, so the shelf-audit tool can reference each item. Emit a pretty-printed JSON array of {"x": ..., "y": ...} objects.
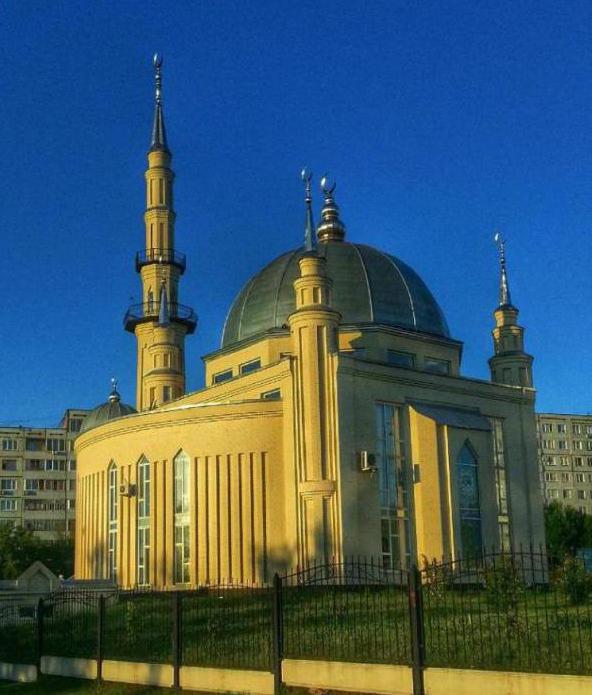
[
  {"x": 510, "y": 364},
  {"x": 160, "y": 323},
  {"x": 313, "y": 327}
]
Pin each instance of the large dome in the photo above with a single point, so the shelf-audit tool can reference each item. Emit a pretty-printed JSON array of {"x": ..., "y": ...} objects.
[{"x": 369, "y": 286}]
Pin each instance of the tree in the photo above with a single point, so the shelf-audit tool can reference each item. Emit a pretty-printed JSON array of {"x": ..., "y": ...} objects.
[
  {"x": 19, "y": 548},
  {"x": 566, "y": 530}
]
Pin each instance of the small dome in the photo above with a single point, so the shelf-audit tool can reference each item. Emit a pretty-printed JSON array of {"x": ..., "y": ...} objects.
[
  {"x": 369, "y": 286},
  {"x": 111, "y": 410}
]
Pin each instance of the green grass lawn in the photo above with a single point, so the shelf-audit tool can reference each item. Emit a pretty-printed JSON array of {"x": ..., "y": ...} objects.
[{"x": 72, "y": 686}]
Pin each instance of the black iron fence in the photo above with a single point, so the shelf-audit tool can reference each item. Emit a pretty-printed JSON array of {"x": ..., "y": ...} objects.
[{"x": 497, "y": 611}]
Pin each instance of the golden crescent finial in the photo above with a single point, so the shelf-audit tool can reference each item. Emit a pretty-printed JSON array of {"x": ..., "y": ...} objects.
[{"x": 326, "y": 187}]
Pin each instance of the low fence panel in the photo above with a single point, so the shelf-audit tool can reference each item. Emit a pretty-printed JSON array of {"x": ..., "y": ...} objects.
[
  {"x": 227, "y": 627},
  {"x": 138, "y": 626},
  {"x": 70, "y": 624},
  {"x": 18, "y": 633},
  {"x": 350, "y": 611},
  {"x": 508, "y": 612}
]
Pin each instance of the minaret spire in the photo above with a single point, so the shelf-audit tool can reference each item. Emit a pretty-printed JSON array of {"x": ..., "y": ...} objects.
[
  {"x": 159, "y": 140},
  {"x": 510, "y": 364},
  {"x": 504, "y": 288},
  {"x": 160, "y": 323},
  {"x": 309, "y": 235}
]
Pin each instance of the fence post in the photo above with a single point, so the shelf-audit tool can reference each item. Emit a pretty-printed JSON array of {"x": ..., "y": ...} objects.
[
  {"x": 176, "y": 637},
  {"x": 417, "y": 633},
  {"x": 40, "y": 609},
  {"x": 278, "y": 646},
  {"x": 100, "y": 635}
]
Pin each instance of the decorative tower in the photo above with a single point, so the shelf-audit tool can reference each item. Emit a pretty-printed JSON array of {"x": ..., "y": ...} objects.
[
  {"x": 510, "y": 364},
  {"x": 160, "y": 323},
  {"x": 313, "y": 326}
]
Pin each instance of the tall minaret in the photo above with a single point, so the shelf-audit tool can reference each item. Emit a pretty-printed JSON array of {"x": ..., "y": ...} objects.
[
  {"x": 510, "y": 364},
  {"x": 160, "y": 323},
  {"x": 313, "y": 327}
]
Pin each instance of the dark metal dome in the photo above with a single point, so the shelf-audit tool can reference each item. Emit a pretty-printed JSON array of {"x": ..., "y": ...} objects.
[
  {"x": 369, "y": 286},
  {"x": 110, "y": 410}
]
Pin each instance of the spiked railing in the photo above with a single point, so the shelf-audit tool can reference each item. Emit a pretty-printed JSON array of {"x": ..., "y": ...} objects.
[
  {"x": 149, "y": 311},
  {"x": 166, "y": 256}
]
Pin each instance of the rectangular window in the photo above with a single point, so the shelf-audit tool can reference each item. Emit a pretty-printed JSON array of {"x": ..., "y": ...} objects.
[
  {"x": 143, "y": 522},
  {"x": 251, "y": 366},
  {"x": 166, "y": 394},
  {"x": 588, "y": 429},
  {"x": 579, "y": 445},
  {"x": 181, "y": 512},
  {"x": 274, "y": 395},
  {"x": 222, "y": 376},
  {"x": 551, "y": 461},
  {"x": 393, "y": 486},
  {"x": 9, "y": 465},
  {"x": 567, "y": 494},
  {"x": 551, "y": 477},
  {"x": 9, "y": 445},
  {"x": 75, "y": 424},
  {"x": 401, "y": 359},
  {"x": 562, "y": 444},
  {"x": 499, "y": 464},
  {"x": 581, "y": 494},
  {"x": 578, "y": 461},
  {"x": 565, "y": 477},
  {"x": 32, "y": 444},
  {"x": 553, "y": 494},
  {"x": 7, "y": 484},
  {"x": 579, "y": 477},
  {"x": 55, "y": 444},
  {"x": 547, "y": 427},
  {"x": 31, "y": 485},
  {"x": 436, "y": 366},
  {"x": 8, "y": 505},
  {"x": 561, "y": 428},
  {"x": 564, "y": 461},
  {"x": 576, "y": 429}
]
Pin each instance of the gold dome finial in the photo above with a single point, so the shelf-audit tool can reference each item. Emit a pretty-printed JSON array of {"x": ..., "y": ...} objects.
[{"x": 330, "y": 228}]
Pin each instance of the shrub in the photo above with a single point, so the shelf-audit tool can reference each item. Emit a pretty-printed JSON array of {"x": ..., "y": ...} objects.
[{"x": 577, "y": 583}]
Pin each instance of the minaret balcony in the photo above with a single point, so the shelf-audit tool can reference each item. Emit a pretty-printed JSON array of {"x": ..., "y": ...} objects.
[
  {"x": 165, "y": 256},
  {"x": 150, "y": 312}
]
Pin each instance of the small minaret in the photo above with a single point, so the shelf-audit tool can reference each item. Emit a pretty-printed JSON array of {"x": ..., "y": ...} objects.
[
  {"x": 313, "y": 327},
  {"x": 160, "y": 323},
  {"x": 510, "y": 364}
]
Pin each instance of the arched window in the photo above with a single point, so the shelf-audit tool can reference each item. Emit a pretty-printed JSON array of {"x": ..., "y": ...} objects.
[
  {"x": 468, "y": 501},
  {"x": 150, "y": 301},
  {"x": 181, "y": 512},
  {"x": 143, "y": 575},
  {"x": 112, "y": 503}
]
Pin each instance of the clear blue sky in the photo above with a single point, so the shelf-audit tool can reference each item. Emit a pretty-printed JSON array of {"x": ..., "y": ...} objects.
[{"x": 441, "y": 122}]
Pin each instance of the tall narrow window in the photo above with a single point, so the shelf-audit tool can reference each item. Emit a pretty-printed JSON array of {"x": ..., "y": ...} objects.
[
  {"x": 143, "y": 577},
  {"x": 499, "y": 466},
  {"x": 150, "y": 301},
  {"x": 112, "y": 502},
  {"x": 470, "y": 509},
  {"x": 393, "y": 487},
  {"x": 181, "y": 511}
]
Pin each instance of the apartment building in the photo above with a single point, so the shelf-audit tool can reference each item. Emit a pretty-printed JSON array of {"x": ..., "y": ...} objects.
[
  {"x": 565, "y": 459},
  {"x": 38, "y": 476}
]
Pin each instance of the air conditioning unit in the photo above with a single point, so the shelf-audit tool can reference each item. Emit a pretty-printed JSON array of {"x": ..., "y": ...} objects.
[
  {"x": 367, "y": 462},
  {"x": 127, "y": 490}
]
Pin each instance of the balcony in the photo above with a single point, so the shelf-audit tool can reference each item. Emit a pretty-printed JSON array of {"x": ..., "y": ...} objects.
[
  {"x": 142, "y": 313},
  {"x": 167, "y": 256}
]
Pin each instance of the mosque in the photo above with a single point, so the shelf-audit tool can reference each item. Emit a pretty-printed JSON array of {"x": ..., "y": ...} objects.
[{"x": 334, "y": 421}]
